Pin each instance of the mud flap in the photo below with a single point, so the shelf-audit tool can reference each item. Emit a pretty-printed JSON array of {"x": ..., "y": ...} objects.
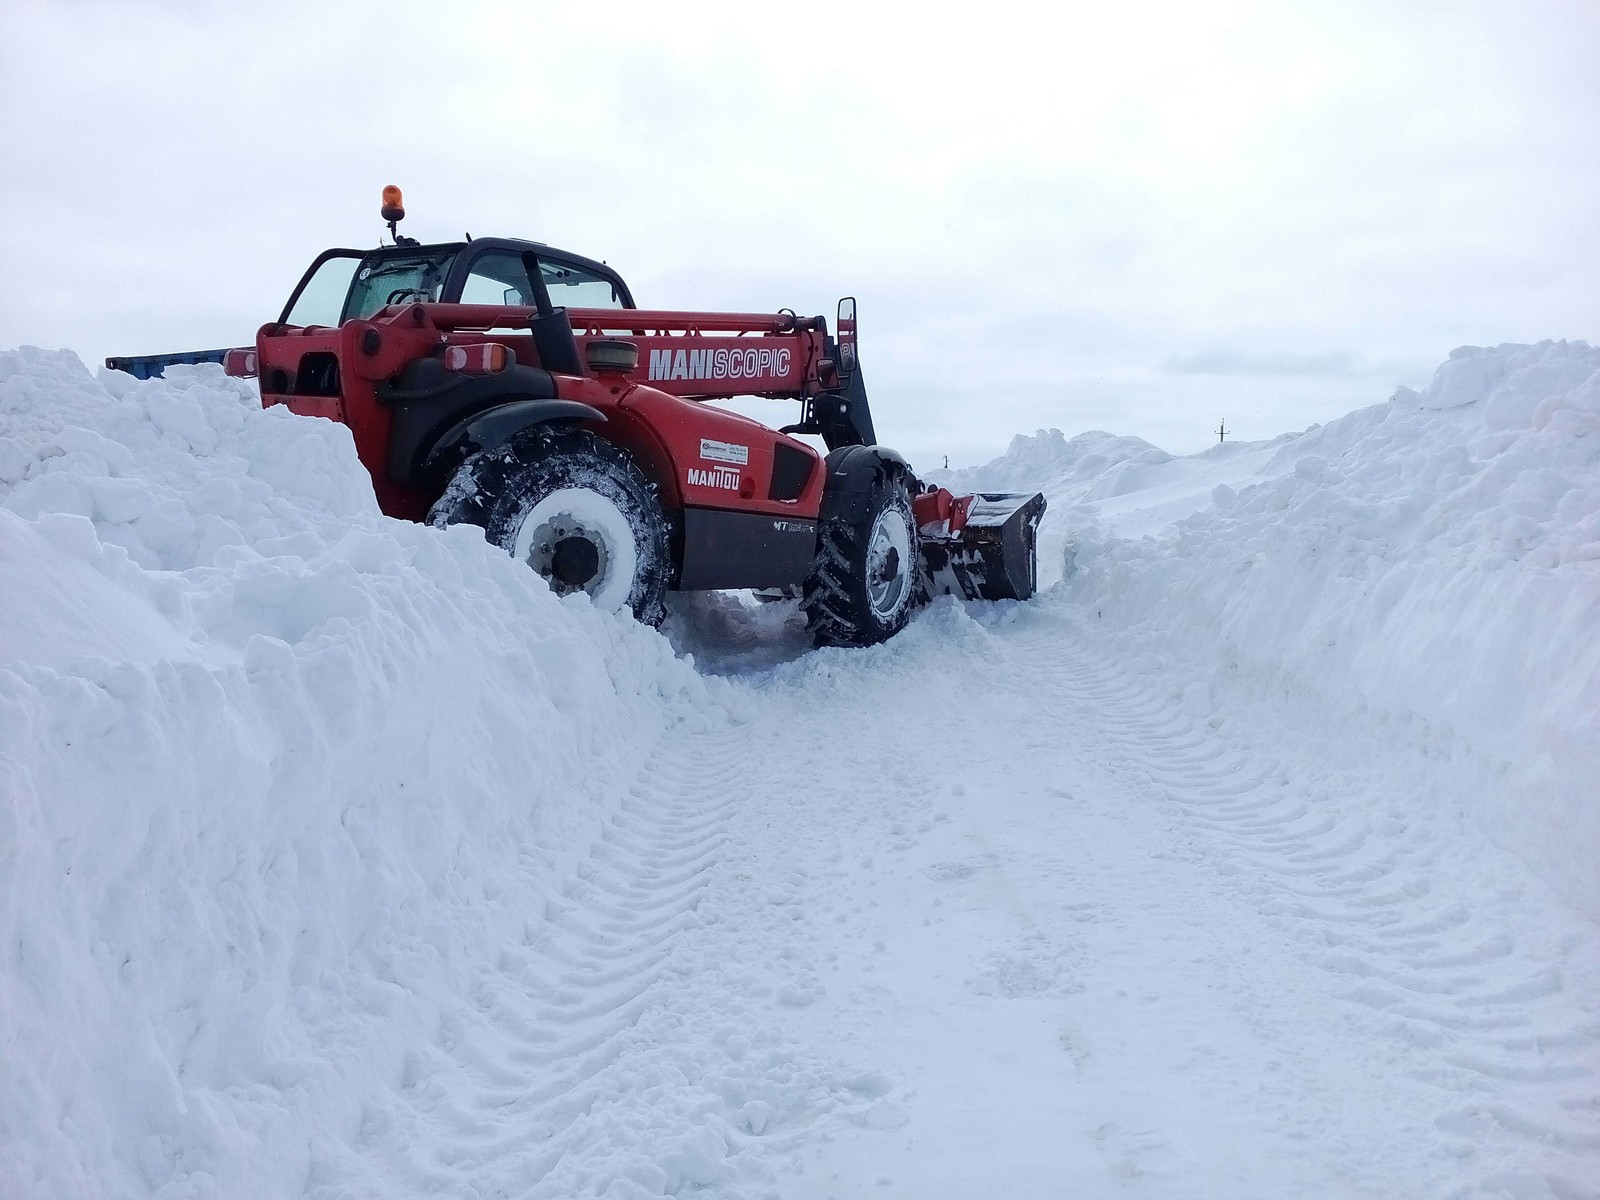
[{"x": 994, "y": 556}]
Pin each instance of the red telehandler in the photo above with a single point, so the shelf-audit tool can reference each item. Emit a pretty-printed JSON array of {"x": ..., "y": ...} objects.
[{"x": 516, "y": 387}]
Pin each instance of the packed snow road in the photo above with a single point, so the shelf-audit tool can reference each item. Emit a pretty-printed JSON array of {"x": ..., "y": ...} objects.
[{"x": 1069, "y": 931}]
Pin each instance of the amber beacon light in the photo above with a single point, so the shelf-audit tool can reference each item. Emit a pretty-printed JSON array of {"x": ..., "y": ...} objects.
[{"x": 393, "y": 205}]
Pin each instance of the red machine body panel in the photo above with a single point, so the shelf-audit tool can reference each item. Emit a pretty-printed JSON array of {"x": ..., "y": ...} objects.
[
  {"x": 721, "y": 459},
  {"x": 697, "y": 455}
]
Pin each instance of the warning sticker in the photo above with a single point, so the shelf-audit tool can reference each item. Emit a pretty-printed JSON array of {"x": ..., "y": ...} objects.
[{"x": 728, "y": 452}]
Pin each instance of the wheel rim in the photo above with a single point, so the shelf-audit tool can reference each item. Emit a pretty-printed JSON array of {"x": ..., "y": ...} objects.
[
  {"x": 888, "y": 563},
  {"x": 580, "y": 541}
]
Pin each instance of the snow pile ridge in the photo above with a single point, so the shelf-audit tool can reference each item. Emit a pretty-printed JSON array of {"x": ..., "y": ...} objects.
[
  {"x": 1050, "y": 455},
  {"x": 1435, "y": 557},
  {"x": 275, "y": 772}
]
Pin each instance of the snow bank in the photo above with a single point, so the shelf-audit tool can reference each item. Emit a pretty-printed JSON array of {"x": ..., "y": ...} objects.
[
  {"x": 276, "y": 772},
  {"x": 1435, "y": 558}
]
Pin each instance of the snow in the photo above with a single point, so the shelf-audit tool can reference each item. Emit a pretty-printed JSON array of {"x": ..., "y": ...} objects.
[
  {"x": 1433, "y": 559},
  {"x": 1253, "y": 858}
]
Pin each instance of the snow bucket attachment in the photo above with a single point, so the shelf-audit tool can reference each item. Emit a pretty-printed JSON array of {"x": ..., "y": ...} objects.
[{"x": 980, "y": 547}]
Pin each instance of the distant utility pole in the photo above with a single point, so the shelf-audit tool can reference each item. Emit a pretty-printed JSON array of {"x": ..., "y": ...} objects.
[
  {"x": 946, "y": 462},
  {"x": 1221, "y": 431}
]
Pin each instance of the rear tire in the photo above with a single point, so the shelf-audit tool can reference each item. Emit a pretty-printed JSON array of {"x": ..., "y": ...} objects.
[
  {"x": 863, "y": 583},
  {"x": 576, "y": 509}
]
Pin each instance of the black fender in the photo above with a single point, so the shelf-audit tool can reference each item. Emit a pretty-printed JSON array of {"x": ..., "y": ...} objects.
[
  {"x": 432, "y": 410},
  {"x": 495, "y": 427},
  {"x": 852, "y": 472}
]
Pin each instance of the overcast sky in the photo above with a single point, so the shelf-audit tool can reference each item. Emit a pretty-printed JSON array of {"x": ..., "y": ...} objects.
[{"x": 1139, "y": 217}]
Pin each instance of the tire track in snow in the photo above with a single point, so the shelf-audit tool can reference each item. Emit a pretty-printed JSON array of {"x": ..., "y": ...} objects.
[
  {"x": 1488, "y": 994},
  {"x": 514, "y": 1095}
]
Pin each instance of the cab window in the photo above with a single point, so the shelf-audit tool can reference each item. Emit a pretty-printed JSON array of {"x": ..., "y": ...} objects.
[
  {"x": 572, "y": 286},
  {"x": 396, "y": 279},
  {"x": 320, "y": 299},
  {"x": 501, "y": 277},
  {"x": 498, "y": 278}
]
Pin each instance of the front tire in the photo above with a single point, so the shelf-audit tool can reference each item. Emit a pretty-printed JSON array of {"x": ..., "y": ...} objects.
[
  {"x": 862, "y": 585},
  {"x": 576, "y": 509}
]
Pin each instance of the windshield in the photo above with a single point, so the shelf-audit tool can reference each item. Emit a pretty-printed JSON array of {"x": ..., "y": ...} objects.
[{"x": 396, "y": 279}]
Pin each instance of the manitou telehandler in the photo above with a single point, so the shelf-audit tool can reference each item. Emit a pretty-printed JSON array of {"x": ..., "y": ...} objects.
[{"x": 516, "y": 387}]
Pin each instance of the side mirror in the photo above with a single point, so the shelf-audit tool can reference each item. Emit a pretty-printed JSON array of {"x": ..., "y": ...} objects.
[{"x": 846, "y": 339}]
